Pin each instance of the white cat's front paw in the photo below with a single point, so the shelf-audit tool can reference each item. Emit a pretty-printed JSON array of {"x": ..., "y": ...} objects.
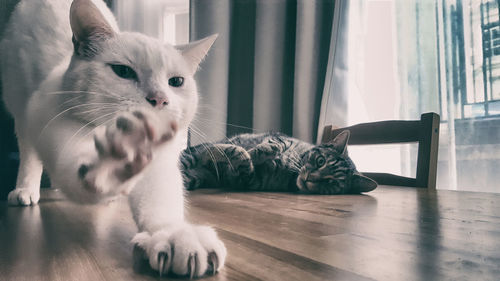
[
  {"x": 124, "y": 149},
  {"x": 183, "y": 250},
  {"x": 23, "y": 197}
]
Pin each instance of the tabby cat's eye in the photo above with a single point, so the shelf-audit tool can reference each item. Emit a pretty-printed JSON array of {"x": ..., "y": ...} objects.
[
  {"x": 176, "y": 81},
  {"x": 124, "y": 71},
  {"x": 320, "y": 161}
]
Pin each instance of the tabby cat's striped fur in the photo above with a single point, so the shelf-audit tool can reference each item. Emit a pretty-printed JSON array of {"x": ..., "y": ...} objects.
[{"x": 274, "y": 162}]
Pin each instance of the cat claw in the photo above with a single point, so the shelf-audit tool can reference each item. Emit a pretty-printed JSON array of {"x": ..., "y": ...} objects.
[
  {"x": 192, "y": 264},
  {"x": 187, "y": 251},
  {"x": 213, "y": 263},
  {"x": 163, "y": 263}
]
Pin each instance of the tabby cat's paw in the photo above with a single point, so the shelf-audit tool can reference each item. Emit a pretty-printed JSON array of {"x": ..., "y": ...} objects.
[
  {"x": 264, "y": 152},
  {"x": 23, "y": 197},
  {"x": 124, "y": 149},
  {"x": 183, "y": 250},
  {"x": 191, "y": 180}
]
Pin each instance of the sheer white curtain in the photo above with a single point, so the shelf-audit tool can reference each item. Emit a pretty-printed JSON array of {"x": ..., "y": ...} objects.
[
  {"x": 399, "y": 59},
  {"x": 167, "y": 20},
  {"x": 364, "y": 86}
]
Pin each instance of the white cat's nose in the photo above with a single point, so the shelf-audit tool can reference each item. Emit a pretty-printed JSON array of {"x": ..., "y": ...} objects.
[{"x": 157, "y": 99}]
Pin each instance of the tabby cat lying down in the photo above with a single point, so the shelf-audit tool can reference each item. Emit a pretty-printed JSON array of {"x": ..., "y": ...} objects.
[{"x": 274, "y": 162}]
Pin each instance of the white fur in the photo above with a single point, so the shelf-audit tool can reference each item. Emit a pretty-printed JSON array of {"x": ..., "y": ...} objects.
[{"x": 61, "y": 101}]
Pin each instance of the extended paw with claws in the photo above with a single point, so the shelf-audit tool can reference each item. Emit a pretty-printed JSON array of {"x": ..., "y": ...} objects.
[
  {"x": 186, "y": 250},
  {"x": 124, "y": 149}
]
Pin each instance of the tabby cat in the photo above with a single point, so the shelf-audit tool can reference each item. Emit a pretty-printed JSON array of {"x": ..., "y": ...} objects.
[{"x": 274, "y": 162}]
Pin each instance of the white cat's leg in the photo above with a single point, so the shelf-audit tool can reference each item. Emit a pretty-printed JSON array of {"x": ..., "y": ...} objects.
[
  {"x": 169, "y": 243},
  {"x": 27, "y": 191}
]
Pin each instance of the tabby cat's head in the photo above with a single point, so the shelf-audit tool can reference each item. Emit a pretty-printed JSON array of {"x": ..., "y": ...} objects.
[{"x": 327, "y": 169}]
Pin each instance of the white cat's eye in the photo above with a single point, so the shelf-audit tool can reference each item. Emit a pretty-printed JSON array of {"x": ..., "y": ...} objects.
[
  {"x": 320, "y": 161},
  {"x": 176, "y": 81},
  {"x": 124, "y": 71}
]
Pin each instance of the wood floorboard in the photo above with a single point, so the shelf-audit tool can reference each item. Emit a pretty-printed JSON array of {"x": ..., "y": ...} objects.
[{"x": 390, "y": 234}]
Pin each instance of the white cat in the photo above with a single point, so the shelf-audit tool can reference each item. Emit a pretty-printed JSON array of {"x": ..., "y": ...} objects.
[{"x": 106, "y": 113}]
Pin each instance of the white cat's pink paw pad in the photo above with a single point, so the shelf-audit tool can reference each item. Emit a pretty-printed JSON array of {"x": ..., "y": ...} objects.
[
  {"x": 123, "y": 139},
  {"x": 135, "y": 166},
  {"x": 124, "y": 149},
  {"x": 133, "y": 134},
  {"x": 23, "y": 197},
  {"x": 192, "y": 251}
]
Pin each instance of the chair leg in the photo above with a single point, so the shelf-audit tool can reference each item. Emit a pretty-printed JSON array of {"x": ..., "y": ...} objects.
[{"x": 428, "y": 150}]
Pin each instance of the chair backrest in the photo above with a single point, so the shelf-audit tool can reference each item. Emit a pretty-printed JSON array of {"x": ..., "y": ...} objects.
[{"x": 424, "y": 131}]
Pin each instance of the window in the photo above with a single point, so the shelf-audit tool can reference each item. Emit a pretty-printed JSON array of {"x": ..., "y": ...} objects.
[
  {"x": 405, "y": 58},
  {"x": 475, "y": 56}
]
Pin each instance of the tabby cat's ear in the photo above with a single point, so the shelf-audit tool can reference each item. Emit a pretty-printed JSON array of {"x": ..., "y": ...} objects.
[
  {"x": 89, "y": 26},
  {"x": 360, "y": 183},
  {"x": 340, "y": 142},
  {"x": 194, "y": 52}
]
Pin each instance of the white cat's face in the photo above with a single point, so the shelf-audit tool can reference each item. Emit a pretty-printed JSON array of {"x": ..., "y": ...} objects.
[
  {"x": 111, "y": 72},
  {"x": 133, "y": 70}
]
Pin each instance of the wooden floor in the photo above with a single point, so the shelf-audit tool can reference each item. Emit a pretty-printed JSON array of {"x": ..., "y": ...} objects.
[{"x": 390, "y": 234}]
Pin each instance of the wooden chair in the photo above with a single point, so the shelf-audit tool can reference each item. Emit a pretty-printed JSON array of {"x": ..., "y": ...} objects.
[{"x": 424, "y": 131}]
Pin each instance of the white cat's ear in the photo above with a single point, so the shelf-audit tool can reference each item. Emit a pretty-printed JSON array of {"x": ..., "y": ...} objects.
[
  {"x": 194, "y": 52},
  {"x": 88, "y": 26}
]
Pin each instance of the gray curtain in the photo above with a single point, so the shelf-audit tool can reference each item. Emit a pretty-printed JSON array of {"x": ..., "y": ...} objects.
[{"x": 266, "y": 71}]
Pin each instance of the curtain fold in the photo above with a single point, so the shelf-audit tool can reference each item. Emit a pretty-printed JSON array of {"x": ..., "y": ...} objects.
[
  {"x": 213, "y": 75},
  {"x": 266, "y": 71},
  {"x": 314, "y": 24},
  {"x": 271, "y": 73}
]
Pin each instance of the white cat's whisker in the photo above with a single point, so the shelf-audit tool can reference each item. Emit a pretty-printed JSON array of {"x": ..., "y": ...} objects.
[
  {"x": 212, "y": 156},
  {"x": 93, "y": 110},
  {"x": 207, "y": 121},
  {"x": 70, "y": 100},
  {"x": 203, "y": 143},
  {"x": 104, "y": 123},
  {"x": 87, "y": 92},
  {"x": 66, "y": 110},
  {"x": 218, "y": 111},
  {"x": 87, "y": 124},
  {"x": 198, "y": 118},
  {"x": 216, "y": 147},
  {"x": 222, "y": 133}
]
